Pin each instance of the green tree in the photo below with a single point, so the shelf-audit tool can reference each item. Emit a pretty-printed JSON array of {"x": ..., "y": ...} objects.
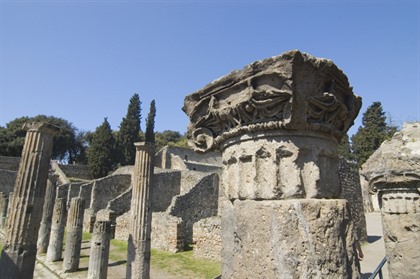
[
  {"x": 129, "y": 132},
  {"x": 170, "y": 138},
  {"x": 150, "y": 124},
  {"x": 68, "y": 145},
  {"x": 344, "y": 148},
  {"x": 371, "y": 134},
  {"x": 101, "y": 151}
]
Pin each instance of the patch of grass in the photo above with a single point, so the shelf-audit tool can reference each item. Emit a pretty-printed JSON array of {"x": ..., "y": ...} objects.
[
  {"x": 86, "y": 236},
  {"x": 183, "y": 263}
]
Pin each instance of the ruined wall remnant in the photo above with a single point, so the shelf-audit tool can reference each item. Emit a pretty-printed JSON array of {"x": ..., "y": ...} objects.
[
  {"x": 277, "y": 123},
  {"x": 19, "y": 252},
  {"x": 393, "y": 172}
]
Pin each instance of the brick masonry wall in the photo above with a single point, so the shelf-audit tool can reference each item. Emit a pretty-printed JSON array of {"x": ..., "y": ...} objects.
[{"x": 76, "y": 171}]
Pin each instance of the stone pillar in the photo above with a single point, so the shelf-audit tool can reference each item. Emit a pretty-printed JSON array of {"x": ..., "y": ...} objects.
[
  {"x": 4, "y": 202},
  {"x": 19, "y": 252},
  {"x": 58, "y": 223},
  {"x": 47, "y": 212},
  {"x": 74, "y": 235},
  {"x": 138, "y": 257},
  {"x": 278, "y": 122},
  {"x": 108, "y": 215},
  {"x": 99, "y": 250},
  {"x": 399, "y": 200}
]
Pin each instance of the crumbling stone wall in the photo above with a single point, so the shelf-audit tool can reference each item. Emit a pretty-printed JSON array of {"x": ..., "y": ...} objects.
[
  {"x": 9, "y": 163},
  {"x": 207, "y": 238},
  {"x": 76, "y": 171},
  {"x": 107, "y": 188},
  {"x": 351, "y": 190},
  {"x": 175, "y": 158},
  {"x": 198, "y": 203}
]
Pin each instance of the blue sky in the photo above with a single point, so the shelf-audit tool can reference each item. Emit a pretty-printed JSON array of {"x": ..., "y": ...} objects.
[{"x": 83, "y": 60}]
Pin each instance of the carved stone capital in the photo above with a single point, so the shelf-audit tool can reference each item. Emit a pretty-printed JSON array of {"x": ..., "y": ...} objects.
[{"x": 292, "y": 91}]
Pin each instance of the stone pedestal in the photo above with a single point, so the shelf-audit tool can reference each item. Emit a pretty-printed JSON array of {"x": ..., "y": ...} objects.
[
  {"x": 74, "y": 235},
  {"x": 58, "y": 223},
  {"x": 277, "y": 123},
  {"x": 138, "y": 255},
  {"x": 4, "y": 202},
  {"x": 399, "y": 199},
  {"x": 99, "y": 251},
  {"x": 47, "y": 212},
  {"x": 19, "y": 252}
]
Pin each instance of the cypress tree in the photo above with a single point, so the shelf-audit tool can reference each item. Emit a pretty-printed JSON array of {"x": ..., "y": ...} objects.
[
  {"x": 344, "y": 148},
  {"x": 129, "y": 132},
  {"x": 150, "y": 124},
  {"x": 100, "y": 153},
  {"x": 371, "y": 134}
]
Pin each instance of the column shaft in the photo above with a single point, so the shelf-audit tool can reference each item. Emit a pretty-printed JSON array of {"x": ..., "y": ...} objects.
[
  {"x": 74, "y": 235},
  {"x": 138, "y": 258},
  {"x": 19, "y": 253},
  {"x": 47, "y": 212},
  {"x": 99, "y": 250},
  {"x": 55, "y": 246}
]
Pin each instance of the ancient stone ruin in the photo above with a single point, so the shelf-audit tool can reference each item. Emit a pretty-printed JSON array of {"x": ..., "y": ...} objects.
[
  {"x": 393, "y": 173},
  {"x": 277, "y": 123},
  {"x": 19, "y": 252}
]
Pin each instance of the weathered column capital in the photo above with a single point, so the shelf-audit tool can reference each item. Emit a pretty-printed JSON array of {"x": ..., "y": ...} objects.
[
  {"x": 42, "y": 127},
  {"x": 293, "y": 91}
]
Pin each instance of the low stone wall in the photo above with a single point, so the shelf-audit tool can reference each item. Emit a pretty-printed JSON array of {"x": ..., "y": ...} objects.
[
  {"x": 351, "y": 190},
  {"x": 9, "y": 163},
  {"x": 108, "y": 188},
  {"x": 86, "y": 192},
  {"x": 76, "y": 171},
  {"x": 7, "y": 180},
  {"x": 166, "y": 185},
  {"x": 171, "y": 157},
  {"x": 198, "y": 203},
  {"x": 122, "y": 203},
  {"x": 168, "y": 232},
  {"x": 207, "y": 239}
]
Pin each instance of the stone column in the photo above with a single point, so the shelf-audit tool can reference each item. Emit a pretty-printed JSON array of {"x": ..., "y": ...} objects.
[
  {"x": 58, "y": 223},
  {"x": 99, "y": 250},
  {"x": 108, "y": 215},
  {"x": 4, "y": 202},
  {"x": 138, "y": 258},
  {"x": 277, "y": 123},
  {"x": 74, "y": 235},
  {"x": 47, "y": 212},
  {"x": 399, "y": 200},
  {"x": 19, "y": 252}
]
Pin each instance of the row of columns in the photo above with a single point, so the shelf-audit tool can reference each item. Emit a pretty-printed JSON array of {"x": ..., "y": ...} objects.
[{"x": 37, "y": 221}]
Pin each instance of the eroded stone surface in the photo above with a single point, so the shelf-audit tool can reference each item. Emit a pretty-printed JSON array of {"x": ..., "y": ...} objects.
[
  {"x": 301, "y": 238},
  {"x": 293, "y": 91},
  {"x": 19, "y": 252}
]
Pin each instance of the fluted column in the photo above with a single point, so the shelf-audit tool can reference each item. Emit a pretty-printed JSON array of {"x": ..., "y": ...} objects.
[
  {"x": 19, "y": 252},
  {"x": 99, "y": 250},
  {"x": 47, "y": 212},
  {"x": 138, "y": 258},
  {"x": 58, "y": 223},
  {"x": 74, "y": 235}
]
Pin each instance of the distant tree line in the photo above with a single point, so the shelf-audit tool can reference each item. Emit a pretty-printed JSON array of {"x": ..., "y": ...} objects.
[{"x": 104, "y": 149}]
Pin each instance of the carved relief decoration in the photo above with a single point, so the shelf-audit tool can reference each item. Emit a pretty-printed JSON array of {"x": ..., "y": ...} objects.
[{"x": 272, "y": 94}]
